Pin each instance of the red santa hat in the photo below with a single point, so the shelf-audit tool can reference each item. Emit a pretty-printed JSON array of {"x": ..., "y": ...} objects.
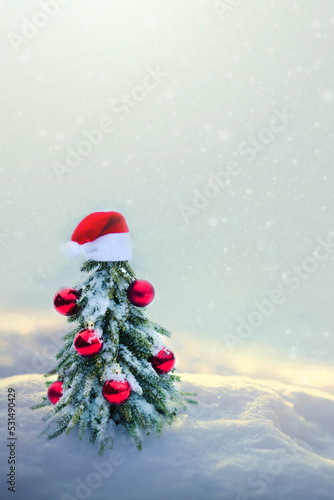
[{"x": 103, "y": 236}]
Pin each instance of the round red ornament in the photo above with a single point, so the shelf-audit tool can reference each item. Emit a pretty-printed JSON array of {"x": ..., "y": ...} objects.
[
  {"x": 116, "y": 392},
  {"x": 65, "y": 301},
  {"x": 140, "y": 293},
  {"x": 87, "y": 343},
  {"x": 55, "y": 392},
  {"x": 164, "y": 361}
]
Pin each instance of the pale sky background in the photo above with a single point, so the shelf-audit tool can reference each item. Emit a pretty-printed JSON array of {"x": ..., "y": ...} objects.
[{"x": 223, "y": 78}]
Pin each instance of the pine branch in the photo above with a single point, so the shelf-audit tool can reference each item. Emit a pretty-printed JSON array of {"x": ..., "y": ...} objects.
[{"x": 44, "y": 403}]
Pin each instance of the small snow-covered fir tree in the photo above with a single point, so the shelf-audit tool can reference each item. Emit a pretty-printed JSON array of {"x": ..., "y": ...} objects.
[{"x": 130, "y": 342}]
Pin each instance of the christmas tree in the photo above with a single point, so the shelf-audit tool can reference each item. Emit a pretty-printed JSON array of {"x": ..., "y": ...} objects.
[{"x": 114, "y": 368}]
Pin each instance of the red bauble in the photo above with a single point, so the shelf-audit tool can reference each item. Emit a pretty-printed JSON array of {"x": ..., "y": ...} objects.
[
  {"x": 87, "y": 343},
  {"x": 140, "y": 293},
  {"x": 55, "y": 392},
  {"x": 116, "y": 392},
  {"x": 164, "y": 361},
  {"x": 65, "y": 301}
]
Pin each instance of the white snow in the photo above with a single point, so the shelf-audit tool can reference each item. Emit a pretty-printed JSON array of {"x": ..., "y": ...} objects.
[
  {"x": 120, "y": 311},
  {"x": 247, "y": 438},
  {"x": 98, "y": 332},
  {"x": 158, "y": 340},
  {"x": 132, "y": 381},
  {"x": 114, "y": 372},
  {"x": 98, "y": 300}
]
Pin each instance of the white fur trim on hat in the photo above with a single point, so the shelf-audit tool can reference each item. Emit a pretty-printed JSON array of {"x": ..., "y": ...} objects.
[
  {"x": 72, "y": 249},
  {"x": 109, "y": 247}
]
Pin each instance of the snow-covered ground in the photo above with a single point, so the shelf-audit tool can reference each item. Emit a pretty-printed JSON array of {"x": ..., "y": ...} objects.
[{"x": 247, "y": 438}]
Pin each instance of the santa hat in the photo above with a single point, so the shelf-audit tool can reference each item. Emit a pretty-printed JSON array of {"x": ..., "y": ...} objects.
[{"x": 103, "y": 236}]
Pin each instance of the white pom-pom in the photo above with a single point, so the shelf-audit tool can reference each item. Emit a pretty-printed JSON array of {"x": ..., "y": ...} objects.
[{"x": 72, "y": 249}]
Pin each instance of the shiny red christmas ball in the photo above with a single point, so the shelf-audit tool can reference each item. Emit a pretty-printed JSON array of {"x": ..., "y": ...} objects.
[
  {"x": 116, "y": 392},
  {"x": 55, "y": 392},
  {"x": 65, "y": 301},
  {"x": 164, "y": 361},
  {"x": 140, "y": 293},
  {"x": 87, "y": 343}
]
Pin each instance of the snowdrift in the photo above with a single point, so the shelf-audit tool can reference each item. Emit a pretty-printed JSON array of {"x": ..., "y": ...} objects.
[{"x": 247, "y": 438}]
